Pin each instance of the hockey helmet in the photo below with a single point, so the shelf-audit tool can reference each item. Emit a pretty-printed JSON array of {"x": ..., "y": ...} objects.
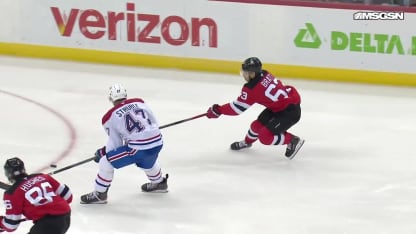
[
  {"x": 252, "y": 64},
  {"x": 14, "y": 168},
  {"x": 117, "y": 92}
]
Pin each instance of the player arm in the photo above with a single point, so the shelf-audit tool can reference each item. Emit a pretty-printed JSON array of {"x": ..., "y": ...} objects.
[
  {"x": 61, "y": 190},
  {"x": 10, "y": 222},
  {"x": 64, "y": 192},
  {"x": 234, "y": 108},
  {"x": 238, "y": 106}
]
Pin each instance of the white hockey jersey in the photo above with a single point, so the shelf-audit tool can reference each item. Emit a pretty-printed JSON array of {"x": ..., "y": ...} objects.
[{"x": 133, "y": 123}]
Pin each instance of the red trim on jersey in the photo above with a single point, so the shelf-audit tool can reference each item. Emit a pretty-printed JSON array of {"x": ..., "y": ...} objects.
[
  {"x": 148, "y": 139},
  {"x": 107, "y": 115}
]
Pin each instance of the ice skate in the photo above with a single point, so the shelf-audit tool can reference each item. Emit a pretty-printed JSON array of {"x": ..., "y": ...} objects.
[
  {"x": 293, "y": 147},
  {"x": 161, "y": 187},
  {"x": 94, "y": 198},
  {"x": 238, "y": 145}
]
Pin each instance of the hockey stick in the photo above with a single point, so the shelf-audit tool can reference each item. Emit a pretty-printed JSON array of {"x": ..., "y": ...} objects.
[
  {"x": 183, "y": 121},
  {"x": 71, "y": 166},
  {"x": 92, "y": 158},
  {"x": 6, "y": 186}
]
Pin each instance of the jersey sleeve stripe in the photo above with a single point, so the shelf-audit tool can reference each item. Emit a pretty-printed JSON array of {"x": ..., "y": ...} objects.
[
  {"x": 239, "y": 107},
  {"x": 148, "y": 139},
  {"x": 242, "y": 105},
  {"x": 236, "y": 108},
  {"x": 60, "y": 189},
  {"x": 67, "y": 196},
  {"x": 11, "y": 222},
  {"x": 64, "y": 192},
  {"x": 144, "y": 143}
]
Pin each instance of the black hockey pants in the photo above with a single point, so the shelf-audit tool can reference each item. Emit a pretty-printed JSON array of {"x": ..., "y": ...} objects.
[
  {"x": 279, "y": 122},
  {"x": 52, "y": 224}
]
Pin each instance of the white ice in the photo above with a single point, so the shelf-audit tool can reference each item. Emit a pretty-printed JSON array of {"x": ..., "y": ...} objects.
[{"x": 356, "y": 173}]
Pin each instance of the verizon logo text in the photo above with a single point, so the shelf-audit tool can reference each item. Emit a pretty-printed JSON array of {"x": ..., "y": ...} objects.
[{"x": 136, "y": 27}]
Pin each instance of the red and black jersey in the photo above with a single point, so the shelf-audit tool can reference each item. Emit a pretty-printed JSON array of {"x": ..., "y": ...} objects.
[
  {"x": 34, "y": 197},
  {"x": 265, "y": 90}
]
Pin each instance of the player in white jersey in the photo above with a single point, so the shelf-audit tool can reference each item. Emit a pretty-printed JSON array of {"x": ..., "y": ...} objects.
[{"x": 134, "y": 137}]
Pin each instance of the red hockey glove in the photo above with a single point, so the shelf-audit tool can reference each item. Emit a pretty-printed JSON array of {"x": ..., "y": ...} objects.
[
  {"x": 214, "y": 112},
  {"x": 99, "y": 153}
]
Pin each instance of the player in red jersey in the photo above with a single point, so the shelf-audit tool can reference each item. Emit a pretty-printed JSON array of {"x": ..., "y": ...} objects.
[
  {"x": 37, "y": 197},
  {"x": 282, "y": 110}
]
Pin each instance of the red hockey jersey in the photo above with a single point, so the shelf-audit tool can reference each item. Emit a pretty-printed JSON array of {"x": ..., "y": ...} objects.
[
  {"x": 265, "y": 90},
  {"x": 34, "y": 197}
]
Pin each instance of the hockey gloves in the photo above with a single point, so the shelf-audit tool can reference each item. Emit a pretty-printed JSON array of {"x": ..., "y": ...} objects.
[
  {"x": 99, "y": 153},
  {"x": 214, "y": 112}
]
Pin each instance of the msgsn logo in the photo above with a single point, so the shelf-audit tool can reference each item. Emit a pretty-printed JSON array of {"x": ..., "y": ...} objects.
[
  {"x": 136, "y": 27},
  {"x": 378, "y": 15}
]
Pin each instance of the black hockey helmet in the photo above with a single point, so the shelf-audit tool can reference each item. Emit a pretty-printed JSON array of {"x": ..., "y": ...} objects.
[
  {"x": 252, "y": 64},
  {"x": 14, "y": 168}
]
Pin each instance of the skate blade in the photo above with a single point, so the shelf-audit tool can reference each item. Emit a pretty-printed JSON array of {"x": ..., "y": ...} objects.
[
  {"x": 156, "y": 191},
  {"x": 93, "y": 203}
]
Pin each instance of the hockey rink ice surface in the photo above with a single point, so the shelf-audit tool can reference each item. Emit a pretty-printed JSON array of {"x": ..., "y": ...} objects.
[{"x": 356, "y": 173}]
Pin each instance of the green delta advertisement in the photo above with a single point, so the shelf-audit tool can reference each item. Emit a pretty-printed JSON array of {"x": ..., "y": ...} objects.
[{"x": 357, "y": 41}]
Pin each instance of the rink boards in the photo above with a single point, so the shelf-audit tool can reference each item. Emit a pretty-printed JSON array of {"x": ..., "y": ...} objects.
[{"x": 320, "y": 43}]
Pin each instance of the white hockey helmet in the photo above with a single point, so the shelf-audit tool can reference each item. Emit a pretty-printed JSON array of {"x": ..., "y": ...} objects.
[{"x": 117, "y": 92}]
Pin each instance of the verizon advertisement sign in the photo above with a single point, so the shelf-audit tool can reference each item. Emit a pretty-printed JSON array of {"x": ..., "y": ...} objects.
[{"x": 133, "y": 26}]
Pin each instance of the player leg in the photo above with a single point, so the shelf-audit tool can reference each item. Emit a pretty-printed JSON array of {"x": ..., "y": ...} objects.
[
  {"x": 52, "y": 224},
  {"x": 117, "y": 158},
  {"x": 101, "y": 184},
  {"x": 147, "y": 160},
  {"x": 250, "y": 138},
  {"x": 278, "y": 125},
  {"x": 253, "y": 133}
]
